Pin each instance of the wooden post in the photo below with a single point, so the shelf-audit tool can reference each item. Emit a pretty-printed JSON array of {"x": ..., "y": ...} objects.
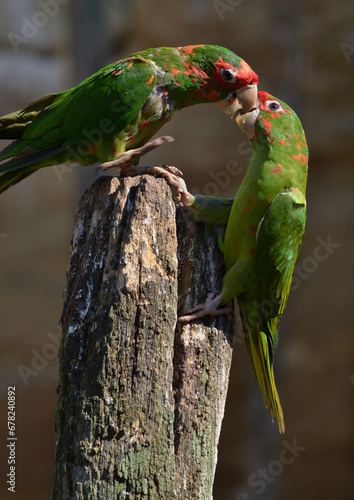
[{"x": 140, "y": 401}]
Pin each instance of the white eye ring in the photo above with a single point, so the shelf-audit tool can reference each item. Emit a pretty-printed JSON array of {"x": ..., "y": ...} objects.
[
  {"x": 228, "y": 75},
  {"x": 273, "y": 106}
]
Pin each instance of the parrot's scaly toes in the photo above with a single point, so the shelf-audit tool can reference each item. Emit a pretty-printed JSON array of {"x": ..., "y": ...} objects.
[
  {"x": 133, "y": 170},
  {"x": 181, "y": 193},
  {"x": 209, "y": 307},
  {"x": 172, "y": 170},
  {"x": 171, "y": 174}
]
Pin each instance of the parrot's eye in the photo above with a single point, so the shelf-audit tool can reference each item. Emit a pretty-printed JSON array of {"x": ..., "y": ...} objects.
[
  {"x": 228, "y": 75},
  {"x": 273, "y": 106}
]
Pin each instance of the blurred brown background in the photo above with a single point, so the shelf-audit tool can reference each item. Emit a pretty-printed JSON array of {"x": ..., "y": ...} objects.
[{"x": 303, "y": 52}]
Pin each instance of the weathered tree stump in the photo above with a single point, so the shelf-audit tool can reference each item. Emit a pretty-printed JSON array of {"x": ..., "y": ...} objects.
[{"x": 140, "y": 401}]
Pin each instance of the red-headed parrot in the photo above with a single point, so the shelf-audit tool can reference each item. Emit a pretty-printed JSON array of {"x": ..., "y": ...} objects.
[
  {"x": 121, "y": 107},
  {"x": 265, "y": 224}
]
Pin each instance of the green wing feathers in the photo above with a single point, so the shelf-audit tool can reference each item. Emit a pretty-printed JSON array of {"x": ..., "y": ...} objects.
[
  {"x": 46, "y": 129},
  {"x": 279, "y": 238}
]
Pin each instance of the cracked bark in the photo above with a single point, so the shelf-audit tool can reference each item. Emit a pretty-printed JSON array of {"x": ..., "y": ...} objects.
[{"x": 140, "y": 400}]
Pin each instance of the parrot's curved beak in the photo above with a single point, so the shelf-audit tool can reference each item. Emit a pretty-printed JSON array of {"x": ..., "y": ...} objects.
[
  {"x": 239, "y": 101},
  {"x": 247, "y": 97},
  {"x": 247, "y": 121}
]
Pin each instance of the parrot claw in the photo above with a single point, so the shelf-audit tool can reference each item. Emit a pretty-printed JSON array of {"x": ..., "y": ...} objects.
[
  {"x": 126, "y": 159},
  {"x": 158, "y": 170},
  {"x": 209, "y": 307},
  {"x": 171, "y": 174},
  {"x": 172, "y": 170},
  {"x": 173, "y": 177}
]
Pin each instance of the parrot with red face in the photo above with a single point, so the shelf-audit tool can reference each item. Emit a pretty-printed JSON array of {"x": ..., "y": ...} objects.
[
  {"x": 120, "y": 108},
  {"x": 265, "y": 224}
]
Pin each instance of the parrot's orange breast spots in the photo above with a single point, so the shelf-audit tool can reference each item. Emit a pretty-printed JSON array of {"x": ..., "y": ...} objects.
[
  {"x": 144, "y": 123},
  {"x": 301, "y": 158},
  {"x": 277, "y": 169},
  {"x": 150, "y": 80},
  {"x": 267, "y": 125},
  {"x": 115, "y": 152}
]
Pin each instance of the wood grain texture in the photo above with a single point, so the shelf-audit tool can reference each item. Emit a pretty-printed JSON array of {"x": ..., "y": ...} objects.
[{"x": 140, "y": 402}]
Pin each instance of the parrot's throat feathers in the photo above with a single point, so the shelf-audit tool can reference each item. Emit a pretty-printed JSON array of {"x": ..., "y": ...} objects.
[
  {"x": 160, "y": 74},
  {"x": 163, "y": 106},
  {"x": 284, "y": 161},
  {"x": 159, "y": 99}
]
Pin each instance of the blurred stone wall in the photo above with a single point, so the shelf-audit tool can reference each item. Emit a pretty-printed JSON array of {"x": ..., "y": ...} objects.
[{"x": 303, "y": 52}]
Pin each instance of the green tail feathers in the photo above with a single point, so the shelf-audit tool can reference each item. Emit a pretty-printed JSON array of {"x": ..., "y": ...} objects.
[
  {"x": 13, "y": 125},
  {"x": 18, "y": 168},
  {"x": 11, "y": 178},
  {"x": 260, "y": 351}
]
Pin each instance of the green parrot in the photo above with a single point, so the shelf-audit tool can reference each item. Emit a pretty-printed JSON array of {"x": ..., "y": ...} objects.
[
  {"x": 265, "y": 224},
  {"x": 121, "y": 107}
]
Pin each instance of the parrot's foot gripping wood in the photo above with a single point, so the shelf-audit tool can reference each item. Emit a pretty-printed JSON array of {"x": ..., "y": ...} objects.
[
  {"x": 209, "y": 307},
  {"x": 181, "y": 193},
  {"x": 157, "y": 170},
  {"x": 128, "y": 169},
  {"x": 127, "y": 158}
]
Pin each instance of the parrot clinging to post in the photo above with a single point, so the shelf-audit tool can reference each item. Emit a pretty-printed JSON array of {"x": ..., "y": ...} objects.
[
  {"x": 119, "y": 108},
  {"x": 265, "y": 224}
]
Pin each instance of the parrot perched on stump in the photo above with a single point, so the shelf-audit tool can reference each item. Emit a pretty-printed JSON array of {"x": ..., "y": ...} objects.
[
  {"x": 265, "y": 224},
  {"x": 121, "y": 107}
]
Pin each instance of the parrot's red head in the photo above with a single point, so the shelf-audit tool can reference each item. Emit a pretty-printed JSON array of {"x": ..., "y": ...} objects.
[
  {"x": 268, "y": 103},
  {"x": 245, "y": 82},
  {"x": 234, "y": 78},
  {"x": 211, "y": 73},
  {"x": 268, "y": 110}
]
